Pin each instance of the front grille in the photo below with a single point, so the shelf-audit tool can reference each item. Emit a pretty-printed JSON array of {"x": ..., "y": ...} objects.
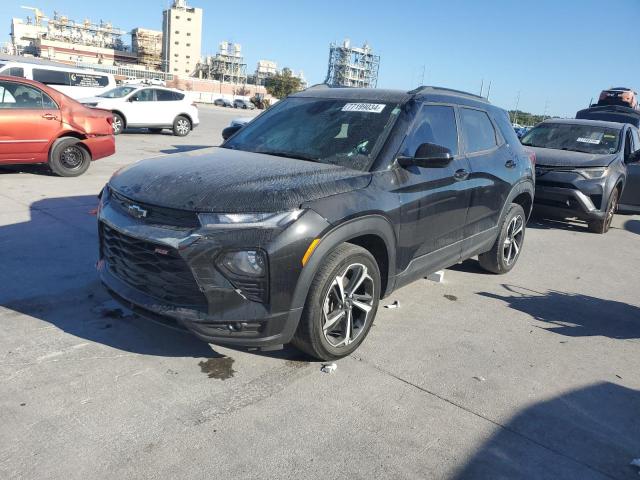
[
  {"x": 157, "y": 215},
  {"x": 151, "y": 268}
]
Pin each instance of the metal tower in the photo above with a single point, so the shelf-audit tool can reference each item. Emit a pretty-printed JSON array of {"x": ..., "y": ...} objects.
[{"x": 352, "y": 66}]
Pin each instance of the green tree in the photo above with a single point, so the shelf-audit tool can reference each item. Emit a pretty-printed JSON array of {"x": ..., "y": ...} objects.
[{"x": 282, "y": 84}]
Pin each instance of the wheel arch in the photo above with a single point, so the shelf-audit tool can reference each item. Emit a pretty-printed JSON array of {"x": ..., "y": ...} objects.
[
  {"x": 122, "y": 115},
  {"x": 64, "y": 136},
  {"x": 523, "y": 194},
  {"x": 372, "y": 232},
  {"x": 186, "y": 115}
]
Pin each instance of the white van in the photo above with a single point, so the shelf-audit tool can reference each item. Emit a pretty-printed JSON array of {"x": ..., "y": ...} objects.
[{"x": 74, "y": 82}]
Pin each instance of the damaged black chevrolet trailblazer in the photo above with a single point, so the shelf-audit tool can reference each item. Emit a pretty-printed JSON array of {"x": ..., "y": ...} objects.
[{"x": 296, "y": 227}]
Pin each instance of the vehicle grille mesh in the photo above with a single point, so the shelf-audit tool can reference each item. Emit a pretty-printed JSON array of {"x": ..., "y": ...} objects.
[
  {"x": 157, "y": 215},
  {"x": 151, "y": 268}
]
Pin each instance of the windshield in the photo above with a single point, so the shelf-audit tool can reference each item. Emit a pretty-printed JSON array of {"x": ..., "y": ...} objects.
[
  {"x": 339, "y": 132},
  {"x": 117, "y": 92},
  {"x": 577, "y": 138}
]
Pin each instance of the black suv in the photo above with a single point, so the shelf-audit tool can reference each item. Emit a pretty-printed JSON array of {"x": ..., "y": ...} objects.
[{"x": 301, "y": 221}]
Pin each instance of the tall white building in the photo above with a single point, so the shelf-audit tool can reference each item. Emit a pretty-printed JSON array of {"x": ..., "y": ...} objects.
[{"x": 181, "y": 38}]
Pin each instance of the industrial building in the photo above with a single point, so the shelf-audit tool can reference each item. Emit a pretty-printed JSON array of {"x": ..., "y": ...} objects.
[
  {"x": 147, "y": 45},
  {"x": 181, "y": 38},
  {"x": 352, "y": 66},
  {"x": 226, "y": 66}
]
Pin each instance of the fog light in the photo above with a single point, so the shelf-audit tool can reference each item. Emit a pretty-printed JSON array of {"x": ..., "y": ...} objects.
[{"x": 248, "y": 262}]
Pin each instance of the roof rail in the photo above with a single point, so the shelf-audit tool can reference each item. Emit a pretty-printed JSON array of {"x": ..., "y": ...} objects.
[{"x": 426, "y": 88}]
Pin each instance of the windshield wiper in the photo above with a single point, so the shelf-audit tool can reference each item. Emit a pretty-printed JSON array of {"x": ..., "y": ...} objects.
[{"x": 297, "y": 156}]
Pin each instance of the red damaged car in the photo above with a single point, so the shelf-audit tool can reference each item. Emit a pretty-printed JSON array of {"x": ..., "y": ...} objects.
[{"x": 41, "y": 125}]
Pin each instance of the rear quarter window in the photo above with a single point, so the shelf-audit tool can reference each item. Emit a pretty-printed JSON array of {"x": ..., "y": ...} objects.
[{"x": 478, "y": 130}]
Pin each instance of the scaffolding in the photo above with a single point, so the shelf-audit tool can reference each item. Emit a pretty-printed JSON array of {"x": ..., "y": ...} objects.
[
  {"x": 352, "y": 66},
  {"x": 147, "y": 44},
  {"x": 226, "y": 66}
]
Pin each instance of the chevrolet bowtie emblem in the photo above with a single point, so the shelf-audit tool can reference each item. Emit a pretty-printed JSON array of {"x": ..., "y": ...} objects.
[{"x": 136, "y": 212}]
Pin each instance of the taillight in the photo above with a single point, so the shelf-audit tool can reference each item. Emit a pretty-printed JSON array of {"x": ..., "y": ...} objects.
[{"x": 110, "y": 120}]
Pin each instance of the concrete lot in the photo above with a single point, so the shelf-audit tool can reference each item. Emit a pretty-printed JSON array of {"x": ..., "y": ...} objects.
[{"x": 535, "y": 374}]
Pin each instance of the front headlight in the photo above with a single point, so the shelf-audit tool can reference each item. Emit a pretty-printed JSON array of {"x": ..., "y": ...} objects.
[
  {"x": 592, "y": 173},
  {"x": 248, "y": 220}
]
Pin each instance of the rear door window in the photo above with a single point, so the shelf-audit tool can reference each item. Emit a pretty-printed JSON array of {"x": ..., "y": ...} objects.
[
  {"x": 434, "y": 124},
  {"x": 51, "y": 77},
  {"x": 165, "y": 96},
  {"x": 146, "y": 95},
  {"x": 478, "y": 130},
  {"x": 19, "y": 96}
]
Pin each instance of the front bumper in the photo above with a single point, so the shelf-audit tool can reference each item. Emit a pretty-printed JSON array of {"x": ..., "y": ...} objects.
[
  {"x": 168, "y": 274},
  {"x": 568, "y": 194}
]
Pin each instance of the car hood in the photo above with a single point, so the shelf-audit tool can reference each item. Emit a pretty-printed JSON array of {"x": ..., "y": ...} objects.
[
  {"x": 232, "y": 181},
  {"x": 565, "y": 158}
]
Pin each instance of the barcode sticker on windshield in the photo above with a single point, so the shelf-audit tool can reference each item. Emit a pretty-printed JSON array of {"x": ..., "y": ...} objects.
[
  {"x": 588, "y": 140},
  {"x": 364, "y": 107}
]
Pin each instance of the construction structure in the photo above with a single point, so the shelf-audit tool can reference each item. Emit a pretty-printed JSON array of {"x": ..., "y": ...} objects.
[
  {"x": 352, "y": 66},
  {"x": 147, "y": 45},
  {"x": 62, "y": 39},
  {"x": 227, "y": 66},
  {"x": 181, "y": 38},
  {"x": 264, "y": 69}
]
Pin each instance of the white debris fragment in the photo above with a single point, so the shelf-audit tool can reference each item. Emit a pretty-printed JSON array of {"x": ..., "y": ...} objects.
[
  {"x": 480, "y": 378},
  {"x": 395, "y": 304},
  {"x": 437, "y": 277},
  {"x": 328, "y": 368},
  {"x": 635, "y": 463}
]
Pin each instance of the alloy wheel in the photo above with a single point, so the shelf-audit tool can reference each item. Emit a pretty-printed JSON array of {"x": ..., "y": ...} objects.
[
  {"x": 611, "y": 210},
  {"x": 513, "y": 241},
  {"x": 347, "y": 306},
  {"x": 117, "y": 125},
  {"x": 182, "y": 126}
]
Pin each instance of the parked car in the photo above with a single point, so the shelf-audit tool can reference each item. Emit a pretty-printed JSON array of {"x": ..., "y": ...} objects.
[
  {"x": 611, "y": 113},
  {"x": 232, "y": 128},
  {"x": 142, "y": 106},
  {"x": 242, "y": 103},
  {"x": 581, "y": 169},
  {"x": 74, "y": 82},
  {"x": 222, "y": 102},
  {"x": 41, "y": 125},
  {"x": 307, "y": 216},
  {"x": 619, "y": 96}
]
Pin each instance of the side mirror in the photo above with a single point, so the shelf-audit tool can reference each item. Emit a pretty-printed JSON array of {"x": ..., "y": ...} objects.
[
  {"x": 428, "y": 155},
  {"x": 133, "y": 99},
  {"x": 229, "y": 131}
]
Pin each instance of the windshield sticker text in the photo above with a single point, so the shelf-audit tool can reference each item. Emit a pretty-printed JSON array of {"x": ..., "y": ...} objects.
[
  {"x": 588, "y": 140},
  {"x": 364, "y": 107}
]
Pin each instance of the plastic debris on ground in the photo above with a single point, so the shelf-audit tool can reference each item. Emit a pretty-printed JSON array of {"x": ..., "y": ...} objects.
[
  {"x": 437, "y": 277},
  {"x": 395, "y": 304},
  {"x": 480, "y": 378},
  {"x": 328, "y": 368}
]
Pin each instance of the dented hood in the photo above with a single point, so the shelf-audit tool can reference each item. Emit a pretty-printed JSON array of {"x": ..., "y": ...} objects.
[
  {"x": 233, "y": 181},
  {"x": 565, "y": 158}
]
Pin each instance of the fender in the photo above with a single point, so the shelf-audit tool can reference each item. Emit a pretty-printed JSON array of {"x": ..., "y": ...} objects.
[
  {"x": 377, "y": 225},
  {"x": 523, "y": 186}
]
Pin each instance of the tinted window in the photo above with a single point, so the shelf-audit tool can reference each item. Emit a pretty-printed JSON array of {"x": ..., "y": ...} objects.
[
  {"x": 434, "y": 124},
  {"x": 51, "y": 77},
  {"x": 636, "y": 139},
  {"x": 168, "y": 96},
  {"x": 17, "y": 95},
  {"x": 15, "y": 72},
  {"x": 504, "y": 125},
  {"x": 478, "y": 130}
]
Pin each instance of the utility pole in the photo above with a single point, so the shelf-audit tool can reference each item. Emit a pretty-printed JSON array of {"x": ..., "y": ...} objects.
[
  {"x": 546, "y": 108},
  {"x": 488, "y": 90},
  {"x": 515, "y": 110},
  {"x": 423, "y": 70},
  {"x": 481, "y": 86}
]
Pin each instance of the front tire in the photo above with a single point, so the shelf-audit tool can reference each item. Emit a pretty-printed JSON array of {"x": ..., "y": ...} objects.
[
  {"x": 68, "y": 158},
  {"x": 506, "y": 250},
  {"x": 341, "y": 304},
  {"x": 602, "y": 225},
  {"x": 181, "y": 126}
]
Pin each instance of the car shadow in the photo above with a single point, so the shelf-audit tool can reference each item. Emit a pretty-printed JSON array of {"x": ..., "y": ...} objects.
[
  {"x": 184, "y": 148},
  {"x": 50, "y": 275},
  {"x": 589, "y": 432},
  {"x": 33, "y": 169},
  {"x": 574, "y": 314},
  {"x": 541, "y": 223},
  {"x": 632, "y": 226}
]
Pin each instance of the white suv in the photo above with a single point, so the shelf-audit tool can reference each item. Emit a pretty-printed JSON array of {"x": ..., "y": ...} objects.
[{"x": 154, "y": 108}]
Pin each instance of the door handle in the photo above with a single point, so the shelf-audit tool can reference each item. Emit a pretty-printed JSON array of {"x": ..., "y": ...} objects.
[
  {"x": 510, "y": 163},
  {"x": 49, "y": 116},
  {"x": 461, "y": 174}
]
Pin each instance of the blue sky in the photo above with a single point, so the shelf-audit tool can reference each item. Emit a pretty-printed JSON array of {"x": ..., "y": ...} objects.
[{"x": 555, "y": 52}]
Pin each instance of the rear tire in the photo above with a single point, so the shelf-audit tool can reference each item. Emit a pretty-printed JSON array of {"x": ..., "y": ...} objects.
[
  {"x": 68, "y": 158},
  {"x": 118, "y": 124},
  {"x": 602, "y": 225},
  {"x": 181, "y": 126},
  {"x": 341, "y": 304},
  {"x": 506, "y": 250}
]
